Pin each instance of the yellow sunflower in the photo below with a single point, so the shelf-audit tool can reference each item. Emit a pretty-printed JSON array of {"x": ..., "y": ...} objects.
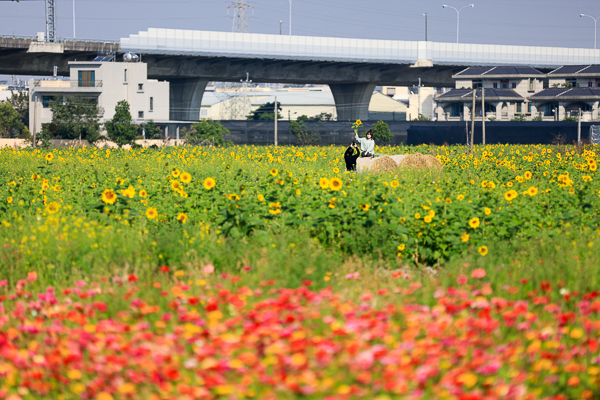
[
  {"x": 53, "y": 207},
  {"x": 176, "y": 173},
  {"x": 527, "y": 175},
  {"x": 465, "y": 237},
  {"x": 335, "y": 184},
  {"x": 109, "y": 197},
  {"x": 185, "y": 177},
  {"x": 274, "y": 172},
  {"x": 365, "y": 207},
  {"x": 483, "y": 250},
  {"x": 143, "y": 193},
  {"x": 487, "y": 211},
  {"x": 511, "y": 195},
  {"x": 49, "y": 157},
  {"x": 474, "y": 222},
  {"x": 532, "y": 191},
  {"x": 9, "y": 199},
  {"x": 182, "y": 217},
  {"x": 324, "y": 183},
  {"x": 394, "y": 183},
  {"x": 428, "y": 218},
  {"x": 151, "y": 213},
  {"x": 261, "y": 197},
  {"x": 209, "y": 183},
  {"x": 175, "y": 185}
]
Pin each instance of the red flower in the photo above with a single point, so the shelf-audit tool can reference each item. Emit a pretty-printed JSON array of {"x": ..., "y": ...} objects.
[
  {"x": 132, "y": 278},
  {"x": 164, "y": 268}
]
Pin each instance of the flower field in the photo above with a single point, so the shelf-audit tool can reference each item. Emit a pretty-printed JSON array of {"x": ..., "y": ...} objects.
[{"x": 270, "y": 273}]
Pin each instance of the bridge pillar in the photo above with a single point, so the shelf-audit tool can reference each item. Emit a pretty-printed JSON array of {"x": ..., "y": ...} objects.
[
  {"x": 352, "y": 100},
  {"x": 186, "y": 98}
]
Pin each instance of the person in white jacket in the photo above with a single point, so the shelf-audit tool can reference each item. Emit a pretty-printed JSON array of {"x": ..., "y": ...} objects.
[{"x": 367, "y": 145}]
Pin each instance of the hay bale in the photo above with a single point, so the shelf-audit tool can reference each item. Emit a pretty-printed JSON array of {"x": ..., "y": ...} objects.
[
  {"x": 384, "y": 164},
  {"x": 420, "y": 161}
]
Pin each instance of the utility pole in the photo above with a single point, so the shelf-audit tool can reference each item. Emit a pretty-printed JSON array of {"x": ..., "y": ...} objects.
[
  {"x": 425, "y": 15},
  {"x": 290, "y": 17},
  {"x": 280, "y": 22},
  {"x": 483, "y": 114},
  {"x": 245, "y": 83},
  {"x": 473, "y": 119},
  {"x": 579, "y": 129},
  {"x": 419, "y": 98},
  {"x": 275, "y": 118},
  {"x": 73, "y": 19},
  {"x": 50, "y": 26},
  {"x": 35, "y": 120},
  {"x": 240, "y": 19}
]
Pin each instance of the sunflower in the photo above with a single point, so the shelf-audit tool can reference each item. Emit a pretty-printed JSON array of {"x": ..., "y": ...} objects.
[
  {"x": 394, "y": 183},
  {"x": 511, "y": 195},
  {"x": 593, "y": 167},
  {"x": 358, "y": 122},
  {"x": 53, "y": 207},
  {"x": 185, "y": 177},
  {"x": 336, "y": 170},
  {"x": 487, "y": 211},
  {"x": 428, "y": 219},
  {"x": 209, "y": 183},
  {"x": 417, "y": 216},
  {"x": 151, "y": 213},
  {"x": 474, "y": 222},
  {"x": 273, "y": 172},
  {"x": 401, "y": 247},
  {"x": 181, "y": 217},
  {"x": 9, "y": 199},
  {"x": 234, "y": 197},
  {"x": 365, "y": 207},
  {"x": 108, "y": 196},
  {"x": 464, "y": 237},
  {"x": 483, "y": 250},
  {"x": 261, "y": 197},
  {"x": 532, "y": 191},
  {"x": 298, "y": 192},
  {"x": 143, "y": 193},
  {"x": 49, "y": 157},
  {"x": 335, "y": 184},
  {"x": 527, "y": 175},
  {"x": 175, "y": 185},
  {"x": 175, "y": 173},
  {"x": 324, "y": 183},
  {"x": 460, "y": 197},
  {"x": 491, "y": 185},
  {"x": 129, "y": 192}
]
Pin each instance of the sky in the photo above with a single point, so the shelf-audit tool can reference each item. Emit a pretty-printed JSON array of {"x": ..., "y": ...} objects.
[{"x": 514, "y": 22}]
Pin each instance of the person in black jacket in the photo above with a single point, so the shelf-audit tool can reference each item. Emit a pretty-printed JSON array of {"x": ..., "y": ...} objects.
[{"x": 350, "y": 156}]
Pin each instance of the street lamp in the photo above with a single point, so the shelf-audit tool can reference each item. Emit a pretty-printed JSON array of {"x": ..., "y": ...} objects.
[
  {"x": 425, "y": 15},
  {"x": 290, "y": 17},
  {"x": 280, "y": 22},
  {"x": 457, "y": 16},
  {"x": 595, "y": 26}
]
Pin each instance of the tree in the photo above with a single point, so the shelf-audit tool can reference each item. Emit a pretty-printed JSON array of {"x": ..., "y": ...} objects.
[
  {"x": 20, "y": 102},
  {"x": 120, "y": 129},
  {"x": 206, "y": 133},
  {"x": 303, "y": 136},
  {"x": 151, "y": 130},
  {"x": 381, "y": 132},
  {"x": 322, "y": 117},
  {"x": 10, "y": 121},
  {"x": 265, "y": 112},
  {"x": 76, "y": 117}
]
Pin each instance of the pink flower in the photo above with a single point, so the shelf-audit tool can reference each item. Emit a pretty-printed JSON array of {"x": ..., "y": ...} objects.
[
  {"x": 478, "y": 273},
  {"x": 462, "y": 279},
  {"x": 355, "y": 275},
  {"x": 208, "y": 269},
  {"x": 80, "y": 283},
  {"x": 32, "y": 276},
  {"x": 3, "y": 283},
  {"x": 247, "y": 268}
]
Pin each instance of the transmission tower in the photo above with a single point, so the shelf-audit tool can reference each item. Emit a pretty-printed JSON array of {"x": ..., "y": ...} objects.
[
  {"x": 240, "y": 19},
  {"x": 50, "y": 27}
]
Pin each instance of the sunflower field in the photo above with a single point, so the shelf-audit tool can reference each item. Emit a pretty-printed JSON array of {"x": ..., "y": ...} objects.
[{"x": 272, "y": 273}]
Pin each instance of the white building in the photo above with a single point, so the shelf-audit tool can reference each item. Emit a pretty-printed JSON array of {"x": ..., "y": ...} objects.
[{"x": 107, "y": 83}]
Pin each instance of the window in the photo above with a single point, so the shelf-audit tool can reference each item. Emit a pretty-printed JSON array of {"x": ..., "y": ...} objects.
[
  {"x": 531, "y": 89},
  {"x": 514, "y": 85},
  {"x": 140, "y": 114},
  {"x": 151, "y": 103},
  {"x": 46, "y": 101},
  {"x": 504, "y": 83},
  {"x": 518, "y": 105},
  {"x": 140, "y": 86},
  {"x": 572, "y": 82},
  {"x": 477, "y": 83},
  {"x": 495, "y": 85},
  {"x": 203, "y": 113},
  {"x": 87, "y": 78},
  {"x": 456, "y": 110},
  {"x": 590, "y": 84},
  {"x": 391, "y": 91},
  {"x": 125, "y": 75},
  {"x": 528, "y": 107}
]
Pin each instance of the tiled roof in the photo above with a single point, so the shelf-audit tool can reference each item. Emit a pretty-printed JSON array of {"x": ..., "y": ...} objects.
[
  {"x": 498, "y": 71},
  {"x": 576, "y": 70},
  {"x": 566, "y": 93},
  {"x": 465, "y": 94}
]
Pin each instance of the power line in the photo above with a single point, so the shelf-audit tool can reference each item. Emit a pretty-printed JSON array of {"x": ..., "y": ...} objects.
[{"x": 240, "y": 19}]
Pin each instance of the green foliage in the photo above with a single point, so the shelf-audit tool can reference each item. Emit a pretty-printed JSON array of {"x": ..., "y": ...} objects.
[
  {"x": 422, "y": 118},
  {"x": 207, "y": 133},
  {"x": 11, "y": 124},
  {"x": 304, "y": 137},
  {"x": 538, "y": 118},
  {"x": 78, "y": 118},
  {"x": 121, "y": 129},
  {"x": 20, "y": 101},
  {"x": 570, "y": 119},
  {"x": 519, "y": 118},
  {"x": 265, "y": 112},
  {"x": 491, "y": 119},
  {"x": 381, "y": 132},
  {"x": 151, "y": 130}
]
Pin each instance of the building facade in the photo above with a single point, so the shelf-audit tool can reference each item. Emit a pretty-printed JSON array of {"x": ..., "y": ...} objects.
[{"x": 107, "y": 83}]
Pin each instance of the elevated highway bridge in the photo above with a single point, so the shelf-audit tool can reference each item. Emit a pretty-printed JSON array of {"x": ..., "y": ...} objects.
[{"x": 351, "y": 67}]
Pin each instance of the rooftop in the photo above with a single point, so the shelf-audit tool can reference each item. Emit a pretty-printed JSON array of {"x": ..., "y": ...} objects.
[
  {"x": 467, "y": 94},
  {"x": 481, "y": 72},
  {"x": 567, "y": 93},
  {"x": 576, "y": 70}
]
